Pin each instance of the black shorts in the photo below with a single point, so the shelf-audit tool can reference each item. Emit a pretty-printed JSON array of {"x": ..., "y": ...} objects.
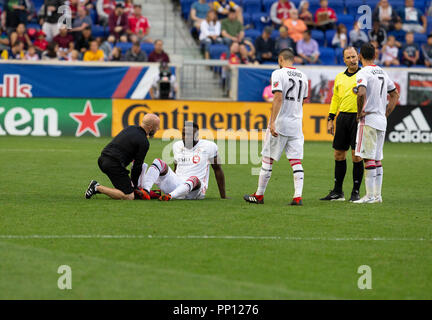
[
  {"x": 346, "y": 131},
  {"x": 118, "y": 175}
]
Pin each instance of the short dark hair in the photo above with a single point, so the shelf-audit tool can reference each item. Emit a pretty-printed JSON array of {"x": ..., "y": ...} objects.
[
  {"x": 368, "y": 51},
  {"x": 347, "y": 48},
  {"x": 287, "y": 54},
  {"x": 194, "y": 124}
]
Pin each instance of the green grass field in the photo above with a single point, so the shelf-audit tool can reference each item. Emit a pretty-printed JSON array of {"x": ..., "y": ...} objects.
[{"x": 275, "y": 251}]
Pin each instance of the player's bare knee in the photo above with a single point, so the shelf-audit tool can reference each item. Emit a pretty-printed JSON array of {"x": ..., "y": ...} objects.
[
  {"x": 161, "y": 166},
  {"x": 340, "y": 155}
]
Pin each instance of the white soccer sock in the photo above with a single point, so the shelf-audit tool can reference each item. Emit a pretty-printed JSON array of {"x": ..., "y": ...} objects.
[
  {"x": 298, "y": 175},
  {"x": 264, "y": 177},
  {"x": 181, "y": 191},
  {"x": 150, "y": 177},
  {"x": 378, "y": 179},
  {"x": 370, "y": 175}
]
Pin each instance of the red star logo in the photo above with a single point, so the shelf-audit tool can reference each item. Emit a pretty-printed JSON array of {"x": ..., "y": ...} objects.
[
  {"x": 276, "y": 84},
  {"x": 87, "y": 120}
]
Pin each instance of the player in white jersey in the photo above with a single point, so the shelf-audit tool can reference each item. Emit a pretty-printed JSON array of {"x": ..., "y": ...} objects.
[
  {"x": 190, "y": 177},
  {"x": 373, "y": 85},
  {"x": 284, "y": 134}
]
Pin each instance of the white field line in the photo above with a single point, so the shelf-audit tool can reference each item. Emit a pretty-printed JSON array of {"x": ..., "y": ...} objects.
[
  {"x": 39, "y": 150},
  {"x": 201, "y": 237}
]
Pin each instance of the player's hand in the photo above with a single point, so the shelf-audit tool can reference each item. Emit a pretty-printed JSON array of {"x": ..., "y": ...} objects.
[
  {"x": 273, "y": 130},
  {"x": 330, "y": 127},
  {"x": 361, "y": 115}
]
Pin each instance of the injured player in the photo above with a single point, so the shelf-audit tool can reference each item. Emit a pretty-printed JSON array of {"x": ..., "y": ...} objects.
[{"x": 189, "y": 180}]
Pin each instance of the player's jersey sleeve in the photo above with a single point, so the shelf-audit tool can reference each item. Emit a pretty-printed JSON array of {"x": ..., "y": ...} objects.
[
  {"x": 362, "y": 78},
  {"x": 335, "y": 101},
  {"x": 306, "y": 87},
  {"x": 276, "y": 81},
  {"x": 212, "y": 150},
  {"x": 390, "y": 84}
]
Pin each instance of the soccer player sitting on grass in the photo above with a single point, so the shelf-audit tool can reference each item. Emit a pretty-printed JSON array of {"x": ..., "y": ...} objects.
[{"x": 189, "y": 179}]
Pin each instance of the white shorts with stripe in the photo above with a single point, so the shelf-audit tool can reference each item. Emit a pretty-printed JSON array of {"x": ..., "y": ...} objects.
[
  {"x": 274, "y": 146},
  {"x": 169, "y": 182},
  {"x": 369, "y": 142}
]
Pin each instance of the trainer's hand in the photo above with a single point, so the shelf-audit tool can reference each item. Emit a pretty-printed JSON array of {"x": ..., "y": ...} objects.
[
  {"x": 330, "y": 127},
  {"x": 273, "y": 130}
]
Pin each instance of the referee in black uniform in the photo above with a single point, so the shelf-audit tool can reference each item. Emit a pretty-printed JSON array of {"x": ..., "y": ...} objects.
[
  {"x": 131, "y": 144},
  {"x": 345, "y": 101}
]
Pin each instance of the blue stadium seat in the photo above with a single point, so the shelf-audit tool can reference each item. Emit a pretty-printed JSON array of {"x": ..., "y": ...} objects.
[
  {"x": 94, "y": 16},
  {"x": 247, "y": 19},
  {"x": 429, "y": 25},
  {"x": 327, "y": 56},
  {"x": 352, "y": 6},
  {"x": 252, "y": 34},
  {"x": 372, "y": 3},
  {"x": 99, "y": 31},
  {"x": 347, "y": 20},
  {"x": 185, "y": 7},
  {"x": 124, "y": 46},
  {"x": 420, "y": 38},
  {"x": 318, "y": 35},
  {"x": 147, "y": 47},
  {"x": 275, "y": 34},
  {"x": 38, "y": 4},
  {"x": 216, "y": 50},
  {"x": 252, "y": 6},
  {"x": 329, "y": 37},
  {"x": 339, "y": 56},
  {"x": 267, "y": 5},
  {"x": 338, "y": 7},
  {"x": 256, "y": 20},
  {"x": 33, "y": 26}
]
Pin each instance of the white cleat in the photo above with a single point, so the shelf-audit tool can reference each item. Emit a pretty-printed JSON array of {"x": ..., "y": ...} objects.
[
  {"x": 378, "y": 199},
  {"x": 366, "y": 199}
]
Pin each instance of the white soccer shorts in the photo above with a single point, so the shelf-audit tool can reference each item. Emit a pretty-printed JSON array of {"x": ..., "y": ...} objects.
[
  {"x": 274, "y": 146},
  {"x": 369, "y": 143},
  {"x": 169, "y": 182}
]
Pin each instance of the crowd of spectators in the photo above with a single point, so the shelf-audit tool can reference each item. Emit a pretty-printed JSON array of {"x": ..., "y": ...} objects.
[
  {"x": 88, "y": 30},
  {"x": 400, "y": 32}
]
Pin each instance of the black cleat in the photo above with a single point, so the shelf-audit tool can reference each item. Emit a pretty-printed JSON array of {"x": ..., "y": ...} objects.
[
  {"x": 253, "y": 198},
  {"x": 334, "y": 196},
  {"x": 297, "y": 202},
  {"x": 355, "y": 195},
  {"x": 91, "y": 190}
]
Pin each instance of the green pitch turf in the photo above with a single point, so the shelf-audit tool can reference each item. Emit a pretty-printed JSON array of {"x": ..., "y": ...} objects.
[{"x": 319, "y": 249}]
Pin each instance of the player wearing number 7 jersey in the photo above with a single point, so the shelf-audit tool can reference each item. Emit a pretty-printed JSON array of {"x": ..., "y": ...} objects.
[
  {"x": 373, "y": 85},
  {"x": 290, "y": 88}
]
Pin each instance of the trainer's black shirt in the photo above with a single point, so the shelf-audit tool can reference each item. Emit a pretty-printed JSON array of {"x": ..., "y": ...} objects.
[{"x": 130, "y": 144}]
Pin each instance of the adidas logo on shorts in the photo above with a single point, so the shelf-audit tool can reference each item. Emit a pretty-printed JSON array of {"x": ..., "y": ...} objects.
[{"x": 413, "y": 128}]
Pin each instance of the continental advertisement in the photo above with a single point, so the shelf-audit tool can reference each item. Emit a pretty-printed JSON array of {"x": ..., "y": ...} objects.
[
  {"x": 55, "y": 117},
  {"x": 229, "y": 120}
]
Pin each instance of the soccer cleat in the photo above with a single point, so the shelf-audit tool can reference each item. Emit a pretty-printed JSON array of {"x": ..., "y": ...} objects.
[
  {"x": 253, "y": 198},
  {"x": 297, "y": 202},
  {"x": 155, "y": 194},
  {"x": 366, "y": 199},
  {"x": 141, "y": 194},
  {"x": 334, "y": 196},
  {"x": 378, "y": 199},
  {"x": 355, "y": 195},
  {"x": 165, "y": 197},
  {"x": 91, "y": 190}
]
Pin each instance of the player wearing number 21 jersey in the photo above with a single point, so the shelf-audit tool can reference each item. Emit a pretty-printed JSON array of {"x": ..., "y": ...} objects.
[
  {"x": 373, "y": 86},
  {"x": 284, "y": 134}
]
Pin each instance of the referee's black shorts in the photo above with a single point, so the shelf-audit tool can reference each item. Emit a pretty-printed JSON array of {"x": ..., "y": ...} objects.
[
  {"x": 346, "y": 131},
  {"x": 118, "y": 175}
]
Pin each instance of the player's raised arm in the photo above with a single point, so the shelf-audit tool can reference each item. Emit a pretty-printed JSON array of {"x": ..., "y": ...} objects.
[{"x": 220, "y": 176}]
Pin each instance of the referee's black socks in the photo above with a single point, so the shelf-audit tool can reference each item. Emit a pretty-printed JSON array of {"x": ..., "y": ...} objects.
[
  {"x": 358, "y": 170},
  {"x": 340, "y": 170}
]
